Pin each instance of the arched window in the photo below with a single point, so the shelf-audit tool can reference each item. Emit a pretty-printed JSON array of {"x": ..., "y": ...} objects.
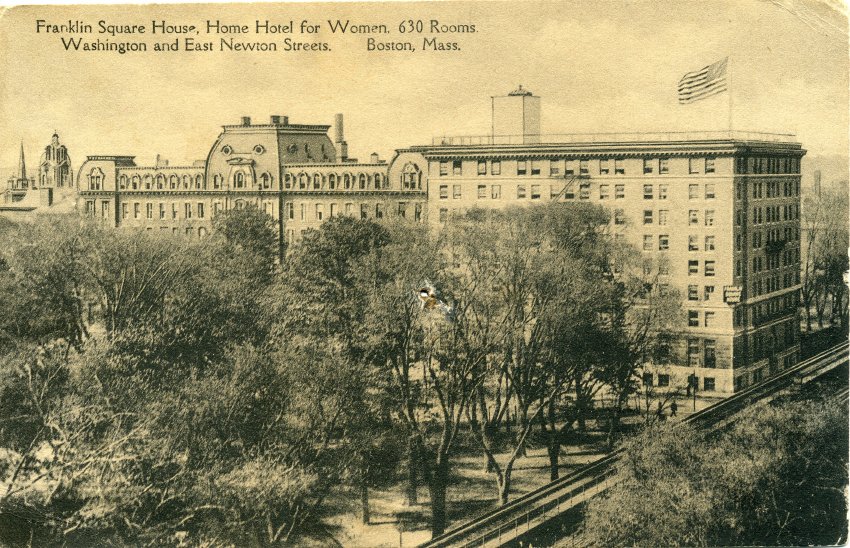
[
  {"x": 135, "y": 182},
  {"x": 287, "y": 181},
  {"x": 173, "y": 182},
  {"x": 346, "y": 181},
  {"x": 160, "y": 181},
  {"x": 199, "y": 182},
  {"x": 266, "y": 180},
  {"x": 185, "y": 182},
  {"x": 217, "y": 180},
  {"x": 379, "y": 181},
  {"x": 332, "y": 181},
  {"x": 317, "y": 181},
  {"x": 411, "y": 176},
  {"x": 239, "y": 180},
  {"x": 302, "y": 181},
  {"x": 122, "y": 182},
  {"x": 202, "y": 232},
  {"x": 239, "y": 204},
  {"x": 362, "y": 181},
  {"x": 148, "y": 179},
  {"x": 95, "y": 179}
]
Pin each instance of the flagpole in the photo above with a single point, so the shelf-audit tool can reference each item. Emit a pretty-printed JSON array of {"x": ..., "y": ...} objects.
[{"x": 729, "y": 69}]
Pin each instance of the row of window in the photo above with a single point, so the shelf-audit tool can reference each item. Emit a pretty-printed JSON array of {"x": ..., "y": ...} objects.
[
  {"x": 159, "y": 182},
  {"x": 708, "y": 268},
  {"x": 557, "y": 167},
  {"x": 767, "y": 165},
  {"x": 789, "y": 189},
  {"x": 709, "y": 318},
  {"x": 318, "y": 211},
  {"x": 702, "y": 352},
  {"x": 188, "y": 231},
  {"x": 694, "y": 293},
  {"x": 664, "y": 381},
  {"x": 346, "y": 181}
]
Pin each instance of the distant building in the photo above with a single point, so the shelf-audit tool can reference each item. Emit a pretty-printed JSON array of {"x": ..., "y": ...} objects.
[
  {"x": 51, "y": 191},
  {"x": 719, "y": 209},
  {"x": 293, "y": 172}
]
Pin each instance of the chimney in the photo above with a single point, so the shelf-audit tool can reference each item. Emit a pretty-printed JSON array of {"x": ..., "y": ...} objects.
[
  {"x": 817, "y": 186},
  {"x": 286, "y": 120},
  {"x": 246, "y": 120},
  {"x": 275, "y": 119},
  {"x": 341, "y": 145},
  {"x": 374, "y": 158}
]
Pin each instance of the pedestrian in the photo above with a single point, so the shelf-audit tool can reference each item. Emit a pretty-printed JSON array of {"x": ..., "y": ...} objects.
[
  {"x": 673, "y": 408},
  {"x": 660, "y": 412}
]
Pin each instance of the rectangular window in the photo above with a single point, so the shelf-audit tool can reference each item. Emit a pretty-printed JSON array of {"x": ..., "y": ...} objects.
[
  {"x": 693, "y": 244},
  {"x": 693, "y": 355},
  {"x": 482, "y": 167},
  {"x": 320, "y": 212},
  {"x": 496, "y": 167},
  {"x": 603, "y": 167},
  {"x": 693, "y": 268},
  {"x": 570, "y": 167},
  {"x": 290, "y": 210},
  {"x": 364, "y": 211},
  {"x": 149, "y": 210},
  {"x": 709, "y": 191},
  {"x": 619, "y": 192},
  {"x": 584, "y": 191},
  {"x": 187, "y": 210},
  {"x": 124, "y": 211},
  {"x": 303, "y": 212},
  {"x": 648, "y": 166},
  {"x": 693, "y": 292},
  {"x": 455, "y": 192},
  {"x": 663, "y": 380},
  {"x": 535, "y": 192},
  {"x": 693, "y": 318},
  {"x": 520, "y": 192},
  {"x": 693, "y": 165},
  {"x": 554, "y": 168},
  {"x": 444, "y": 192},
  {"x": 444, "y": 169},
  {"x": 709, "y": 268},
  {"x": 604, "y": 192},
  {"x": 619, "y": 169},
  {"x": 709, "y": 165},
  {"x": 647, "y": 192},
  {"x": 174, "y": 210},
  {"x": 535, "y": 167},
  {"x": 647, "y": 216},
  {"x": 417, "y": 212},
  {"x": 663, "y": 165},
  {"x": 379, "y": 211},
  {"x": 333, "y": 212},
  {"x": 161, "y": 210},
  {"x": 693, "y": 217},
  {"x": 709, "y": 243},
  {"x": 662, "y": 217},
  {"x": 647, "y": 379},
  {"x": 582, "y": 167},
  {"x": 709, "y": 318},
  {"x": 708, "y": 291},
  {"x": 349, "y": 208},
  {"x": 104, "y": 209},
  {"x": 663, "y": 242},
  {"x": 482, "y": 191},
  {"x": 693, "y": 192},
  {"x": 662, "y": 191},
  {"x": 619, "y": 217},
  {"x": 200, "y": 210},
  {"x": 457, "y": 168},
  {"x": 710, "y": 352},
  {"x": 647, "y": 242},
  {"x": 401, "y": 211},
  {"x": 521, "y": 167},
  {"x": 496, "y": 192},
  {"x": 709, "y": 217},
  {"x": 708, "y": 384}
]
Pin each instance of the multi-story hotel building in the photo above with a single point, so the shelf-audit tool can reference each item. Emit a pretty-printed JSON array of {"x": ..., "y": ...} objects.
[
  {"x": 720, "y": 208},
  {"x": 293, "y": 172}
]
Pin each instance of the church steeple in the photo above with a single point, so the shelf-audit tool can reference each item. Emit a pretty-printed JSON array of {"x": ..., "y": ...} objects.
[{"x": 22, "y": 165}]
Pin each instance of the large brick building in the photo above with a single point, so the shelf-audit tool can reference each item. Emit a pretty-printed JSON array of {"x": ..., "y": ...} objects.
[{"x": 720, "y": 209}]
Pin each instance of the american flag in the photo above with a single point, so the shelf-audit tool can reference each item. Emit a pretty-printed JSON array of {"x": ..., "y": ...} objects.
[{"x": 703, "y": 83}]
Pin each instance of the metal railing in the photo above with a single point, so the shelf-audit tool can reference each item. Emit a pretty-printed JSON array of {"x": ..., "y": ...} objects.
[
  {"x": 537, "y": 507},
  {"x": 620, "y": 137}
]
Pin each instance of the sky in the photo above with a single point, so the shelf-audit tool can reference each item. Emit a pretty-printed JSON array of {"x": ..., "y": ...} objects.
[{"x": 599, "y": 66}]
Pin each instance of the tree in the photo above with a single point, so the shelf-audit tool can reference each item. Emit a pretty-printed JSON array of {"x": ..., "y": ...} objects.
[
  {"x": 776, "y": 478},
  {"x": 252, "y": 230}
]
